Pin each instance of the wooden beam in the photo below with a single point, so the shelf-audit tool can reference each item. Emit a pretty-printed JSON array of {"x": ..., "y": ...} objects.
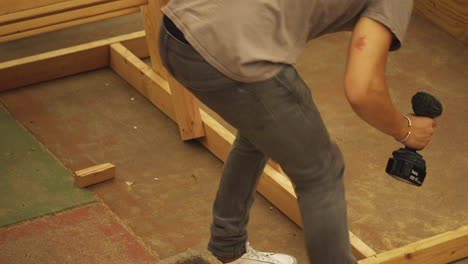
[
  {"x": 187, "y": 111},
  {"x": 44, "y": 10},
  {"x": 450, "y": 15},
  {"x": 360, "y": 249},
  {"x": 142, "y": 78},
  {"x": 52, "y": 65},
  {"x": 273, "y": 185},
  {"x": 440, "y": 249},
  {"x": 59, "y": 63},
  {"x": 94, "y": 174},
  {"x": 137, "y": 46},
  {"x": 62, "y": 17},
  {"x": 152, "y": 32},
  {"x": 275, "y": 165},
  {"x": 68, "y": 24},
  {"x": 152, "y": 18},
  {"x": 12, "y": 6},
  {"x": 186, "y": 106}
]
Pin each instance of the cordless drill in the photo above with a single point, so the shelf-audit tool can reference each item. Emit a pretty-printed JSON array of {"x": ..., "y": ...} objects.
[{"x": 406, "y": 164}]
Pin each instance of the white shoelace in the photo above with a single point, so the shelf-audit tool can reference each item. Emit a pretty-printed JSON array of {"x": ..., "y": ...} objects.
[{"x": 261, "y": 255}]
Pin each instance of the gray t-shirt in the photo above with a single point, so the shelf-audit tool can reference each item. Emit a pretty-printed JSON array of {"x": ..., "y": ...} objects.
[{"x": 251, "y": 40}]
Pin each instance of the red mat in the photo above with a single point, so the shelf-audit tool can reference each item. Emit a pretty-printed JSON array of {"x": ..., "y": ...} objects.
[{"x": 90, "y": 234}]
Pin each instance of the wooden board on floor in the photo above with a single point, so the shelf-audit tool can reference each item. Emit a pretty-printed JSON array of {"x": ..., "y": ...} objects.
[
  {"x": 59, "y": 63},
  {"x": 360, "y": 249},
  {"x": 186, "y": 107},
  {"x": 440, "y": 249},
  {"x": 137, "y": 45},
  {"x": 52, "y": 65},
  {"x": 450, "y": 15},
  {"x": 94, "y": 174},
  {"x": 142, "y": 78}
]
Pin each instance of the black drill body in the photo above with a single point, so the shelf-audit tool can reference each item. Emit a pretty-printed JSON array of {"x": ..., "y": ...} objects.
[{"x": 406, "y": 164}]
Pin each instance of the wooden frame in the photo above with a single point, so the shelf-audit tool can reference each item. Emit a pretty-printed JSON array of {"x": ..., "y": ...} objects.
[
  {"x": 450, "y": 15},
  {"x": 60, "y": 14},
  {"x": 123, "y": 55},
  {"x": 185, "y": 105}
]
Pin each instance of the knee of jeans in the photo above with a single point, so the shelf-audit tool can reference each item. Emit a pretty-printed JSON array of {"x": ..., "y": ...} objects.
[{"x": 323, "y": 169}]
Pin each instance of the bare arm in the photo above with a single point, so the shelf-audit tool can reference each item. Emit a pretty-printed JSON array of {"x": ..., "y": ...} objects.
[{"x": 366, "y": 89}]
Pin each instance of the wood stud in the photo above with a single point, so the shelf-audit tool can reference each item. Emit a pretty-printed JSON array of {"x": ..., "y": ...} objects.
[
  {"x": 33, "y": 19},
  {"x": 94, "y": 174},
  {"x": 185, "y": 104}
]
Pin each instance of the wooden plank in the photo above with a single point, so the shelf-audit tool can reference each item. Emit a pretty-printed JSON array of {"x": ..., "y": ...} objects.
[
  {"x": 137, "y": 46},
  {"x": 218, "y": 139},
  {"x": 278, "y": 189},
  {"x": 276, "y": 166},
  {"x": 95, "y": 174},
  {"x": 68, "y": 24},
  {"x": 11, "y": 6},
  {"x": 360, "y": 249},
  {"x": 58, "y": 63},
  {"x": 187, "y": 111},
  {"x": 142, "y": 78},
  {"x": 67, "y": 5},
  {"x": 53, "y": 66},
  {"x": 450, "y": 15},
  {"x": 68, "y": 16},
  {"x": 273, "y": 185},
  {"x": 152, "y": 21},
  {"x": 186, "y": 106},
  {"x": 440, "y": 249}
]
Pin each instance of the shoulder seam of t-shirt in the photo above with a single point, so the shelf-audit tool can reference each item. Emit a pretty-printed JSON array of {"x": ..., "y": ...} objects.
[
  {"x": 208, "y": 56},
  {"x": 384, "y": 20}
]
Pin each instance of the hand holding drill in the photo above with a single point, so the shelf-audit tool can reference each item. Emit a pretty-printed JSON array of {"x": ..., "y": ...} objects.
[
  {"x": 406, "y": 164},
  {"x": 421, "y": 131}
]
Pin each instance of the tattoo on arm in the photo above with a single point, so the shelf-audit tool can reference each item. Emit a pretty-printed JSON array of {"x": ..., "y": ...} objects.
[{"x": 360, "y": 43}]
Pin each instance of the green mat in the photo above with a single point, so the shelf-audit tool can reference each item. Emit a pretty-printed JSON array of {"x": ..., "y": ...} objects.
[{"x": 32, "y": 182}]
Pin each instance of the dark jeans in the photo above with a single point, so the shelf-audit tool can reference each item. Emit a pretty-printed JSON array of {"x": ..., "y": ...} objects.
[{"x": 275, "y": 118}]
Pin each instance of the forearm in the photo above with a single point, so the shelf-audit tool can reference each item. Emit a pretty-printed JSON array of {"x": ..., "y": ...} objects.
[
  {"x": 366, "y": 89},
  {"x": 376, "y": 108}
]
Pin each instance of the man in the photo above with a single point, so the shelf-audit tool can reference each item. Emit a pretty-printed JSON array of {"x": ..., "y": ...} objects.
[{"x": 236, "y": 57}]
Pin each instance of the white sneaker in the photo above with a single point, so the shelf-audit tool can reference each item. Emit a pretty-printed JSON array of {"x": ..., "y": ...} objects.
[{"x": 254, "y": 257}]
